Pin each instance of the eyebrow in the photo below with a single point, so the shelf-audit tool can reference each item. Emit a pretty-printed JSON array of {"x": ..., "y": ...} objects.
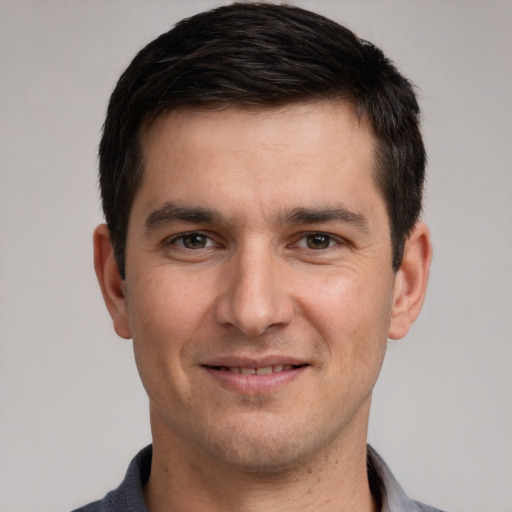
[
  {"x": 320, "y": 215},
  {"x": 171, "y": 212}
]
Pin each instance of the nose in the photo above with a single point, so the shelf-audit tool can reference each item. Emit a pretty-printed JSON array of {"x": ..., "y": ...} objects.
[{"x": 254, "y": 298}]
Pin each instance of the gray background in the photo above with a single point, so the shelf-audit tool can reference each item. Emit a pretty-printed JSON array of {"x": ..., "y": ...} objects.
[{"x": 72, "y": 411}]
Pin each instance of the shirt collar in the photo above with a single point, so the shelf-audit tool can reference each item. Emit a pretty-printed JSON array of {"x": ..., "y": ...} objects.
[{"x": 387, "y": 491}]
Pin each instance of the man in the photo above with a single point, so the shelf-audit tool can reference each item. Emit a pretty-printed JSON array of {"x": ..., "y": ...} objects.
[{"x": 261, "y": 171}]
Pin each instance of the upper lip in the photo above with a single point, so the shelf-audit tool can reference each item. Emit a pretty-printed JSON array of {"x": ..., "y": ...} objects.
[{"x": 253, "y": 362}]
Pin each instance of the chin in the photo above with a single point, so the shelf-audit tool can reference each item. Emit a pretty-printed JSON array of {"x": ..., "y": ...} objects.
[
  {"x": 265, "y": 449},
  {"x": 257, "y": 458}
]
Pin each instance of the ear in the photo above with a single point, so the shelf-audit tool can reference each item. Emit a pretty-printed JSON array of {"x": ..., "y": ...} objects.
[
  {"x": 110, "y": 280},
  {"x": 411, "y": 281}
]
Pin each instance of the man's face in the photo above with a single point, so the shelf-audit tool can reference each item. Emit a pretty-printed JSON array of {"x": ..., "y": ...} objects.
[{"x": 259, "y": 285}]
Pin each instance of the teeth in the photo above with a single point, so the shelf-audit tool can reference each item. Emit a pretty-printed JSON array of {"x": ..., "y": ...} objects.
[
  {"x": 264, "y": 371},
  {"x": 275, "y": 368}
]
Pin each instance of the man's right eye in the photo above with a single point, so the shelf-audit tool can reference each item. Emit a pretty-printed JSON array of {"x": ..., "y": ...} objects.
[{"x": 193, "y": 241}]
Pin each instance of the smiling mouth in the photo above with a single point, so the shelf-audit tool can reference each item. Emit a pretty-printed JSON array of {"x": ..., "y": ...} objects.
[{"x": 267, "y": 370}]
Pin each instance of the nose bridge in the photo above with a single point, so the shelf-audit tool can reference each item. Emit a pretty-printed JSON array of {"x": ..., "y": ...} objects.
[{"x": 254, "y": 297}]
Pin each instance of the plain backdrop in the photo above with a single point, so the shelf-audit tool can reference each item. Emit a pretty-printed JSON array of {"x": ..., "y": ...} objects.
[{"x": 72, "y": 410}]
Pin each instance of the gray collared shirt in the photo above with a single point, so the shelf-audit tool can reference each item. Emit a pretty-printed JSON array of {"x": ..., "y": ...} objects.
[{"x": 128, "y": 496}]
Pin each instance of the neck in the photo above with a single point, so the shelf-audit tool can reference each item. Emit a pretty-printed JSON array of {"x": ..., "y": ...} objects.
[{"x": 334, "y": 480}]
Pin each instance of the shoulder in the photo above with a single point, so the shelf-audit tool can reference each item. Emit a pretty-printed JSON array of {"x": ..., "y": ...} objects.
[
  {"x": 388, "y": 491},
  {"x": 421, "y": 507},
  {"x": 128, "y": 496},
  {"x": 95, "y": 506}
]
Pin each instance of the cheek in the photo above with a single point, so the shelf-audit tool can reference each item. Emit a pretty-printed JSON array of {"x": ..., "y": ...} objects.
[
  {"x": 352, "y": 316},
  {"x": 167, "y": 317},
  {"x": 166, "y": 308},
  {"x": 349, "y": 305}
]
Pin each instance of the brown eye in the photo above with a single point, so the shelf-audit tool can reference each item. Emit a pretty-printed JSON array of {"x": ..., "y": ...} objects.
[
  {"x": 194, "y": 241},
  {"x": 318, "y": 241}
]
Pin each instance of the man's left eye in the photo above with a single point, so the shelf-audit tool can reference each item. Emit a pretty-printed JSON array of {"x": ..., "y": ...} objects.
[
  {"x": 193, "y": 241},
  {"x": 317, "y": 241}
]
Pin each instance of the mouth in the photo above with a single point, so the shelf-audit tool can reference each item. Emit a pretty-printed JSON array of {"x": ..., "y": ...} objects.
[
  {"x": 261, "y": 370},
  {"x": 250, "y": 377}
]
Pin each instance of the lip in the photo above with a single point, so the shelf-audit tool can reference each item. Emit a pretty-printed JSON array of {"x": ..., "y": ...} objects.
[
  {"x": 255, "y": 362},
  {"x": 254, "y": 384}
]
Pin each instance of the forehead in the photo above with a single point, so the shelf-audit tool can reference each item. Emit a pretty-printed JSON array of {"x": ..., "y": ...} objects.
[
  {"x": 298, "y": 150},
  {"x": 342, "y": 113}
]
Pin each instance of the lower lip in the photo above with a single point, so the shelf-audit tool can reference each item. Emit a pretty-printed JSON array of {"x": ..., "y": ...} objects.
[{"x": 255, "y": 384}]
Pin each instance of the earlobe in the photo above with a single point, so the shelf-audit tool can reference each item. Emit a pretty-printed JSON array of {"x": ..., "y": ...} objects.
[
  {"x": 411, "y": 281},
  {"x": 110, "y": 281}
]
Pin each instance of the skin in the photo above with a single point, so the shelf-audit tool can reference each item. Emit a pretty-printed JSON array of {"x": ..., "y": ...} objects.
[{"x": 259, "y": 238}]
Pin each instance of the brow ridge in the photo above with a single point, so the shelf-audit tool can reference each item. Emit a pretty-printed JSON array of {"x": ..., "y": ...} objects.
[
  {"x": 328, "y": 214},
  {"x": 172, "y": 212}
]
